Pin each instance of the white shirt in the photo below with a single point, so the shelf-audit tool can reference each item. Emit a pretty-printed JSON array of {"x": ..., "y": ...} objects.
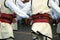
[
  {"x": 55, "y": 9},
  {"x": 0, "y": 0},
  {"x": 13, "y": 7},
  {"x": 26, "y": 7}
]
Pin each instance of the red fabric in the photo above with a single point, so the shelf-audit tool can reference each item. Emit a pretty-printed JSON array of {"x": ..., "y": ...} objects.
[
  {"x": 6, "y": 21},
  {"x": 45, "y": 15},
  {"x": 14, "y": 13},
  {"x": 7, "y": 18},
  {"x": 41, "y": 18}
]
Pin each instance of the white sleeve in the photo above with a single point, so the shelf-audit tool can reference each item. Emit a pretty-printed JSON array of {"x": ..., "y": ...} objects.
[
  {"x": 0, "y": 0},
  {"x": 54, "y": 6},
  {"x": 19, "y": 2},
  {"x": 13, "y": 7},
  {"x": 27, "y": 7}
]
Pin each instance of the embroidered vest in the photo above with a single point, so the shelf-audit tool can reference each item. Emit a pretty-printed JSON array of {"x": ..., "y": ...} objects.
[{"x": 39, "y": 6}]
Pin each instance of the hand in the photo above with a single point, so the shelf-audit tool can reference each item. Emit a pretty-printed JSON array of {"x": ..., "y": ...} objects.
[
  {"x": 14, "y": 20},
  {"x": 30, "y": 17}
]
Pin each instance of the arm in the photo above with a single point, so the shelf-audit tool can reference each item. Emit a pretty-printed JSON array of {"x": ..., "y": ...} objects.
[
  {"x": 54, "y": 6},
  {"x": 13, "y": 7},
  {"x": 27, "y": 7},
  {"x": 19, "y": 2},
  {"x": 0, "y": 0}
]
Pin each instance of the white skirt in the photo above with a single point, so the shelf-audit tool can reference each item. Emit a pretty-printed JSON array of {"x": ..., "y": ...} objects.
[
  {"x": 14, "y": 26},
  {"x": 43, "y": 28},
  {"x": 5, "y": 30}
]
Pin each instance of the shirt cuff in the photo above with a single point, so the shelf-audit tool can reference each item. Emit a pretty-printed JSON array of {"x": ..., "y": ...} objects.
[{"x": 27, "y": 17}]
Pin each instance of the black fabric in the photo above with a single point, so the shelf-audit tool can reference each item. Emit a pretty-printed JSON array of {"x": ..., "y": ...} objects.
[
  {"x": 48, "y": 3},
  {"x": 43, "y": 35},
  {"x": 5, "y": 4},
  {"x": 39, "y": 34},
  {"x": 7, "y": 38},
  {"x": 2, "y": 39}
]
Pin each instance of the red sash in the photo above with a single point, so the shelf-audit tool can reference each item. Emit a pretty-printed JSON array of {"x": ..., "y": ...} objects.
[
  {"x": 7, "y": 18},
  {"x": 41, "y": 18}
]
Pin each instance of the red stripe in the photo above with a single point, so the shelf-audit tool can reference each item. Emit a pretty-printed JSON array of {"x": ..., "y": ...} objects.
[
  {"x": 40, "y": 20},
  {"x": 10, "y": 16},
  {"x": 6, "y": 21}
]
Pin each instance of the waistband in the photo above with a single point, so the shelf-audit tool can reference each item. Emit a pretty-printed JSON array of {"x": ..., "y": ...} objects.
[
  {"x": 6, "y": 21},
  {"x": 41, "y": 17},
  {"x": 6, "y": 17}
]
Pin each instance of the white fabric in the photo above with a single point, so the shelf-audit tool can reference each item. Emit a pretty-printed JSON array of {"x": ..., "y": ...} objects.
[
  {"x": 13, "y": 7},
  {"x": 23, "y": 6},
  {"x": 39, "y": 6},
  {"x": 6, "y": 30},
  {"x": 0, "y": 0},
  {"x": 55, "y": 9},
  {"x": 14, "y": 26},
  {"x": 4, "y": 9},
  {"x": 26, "y": 7},
  {"x": 43, "y": 28},
  {"x": 9, "y": 39}
]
